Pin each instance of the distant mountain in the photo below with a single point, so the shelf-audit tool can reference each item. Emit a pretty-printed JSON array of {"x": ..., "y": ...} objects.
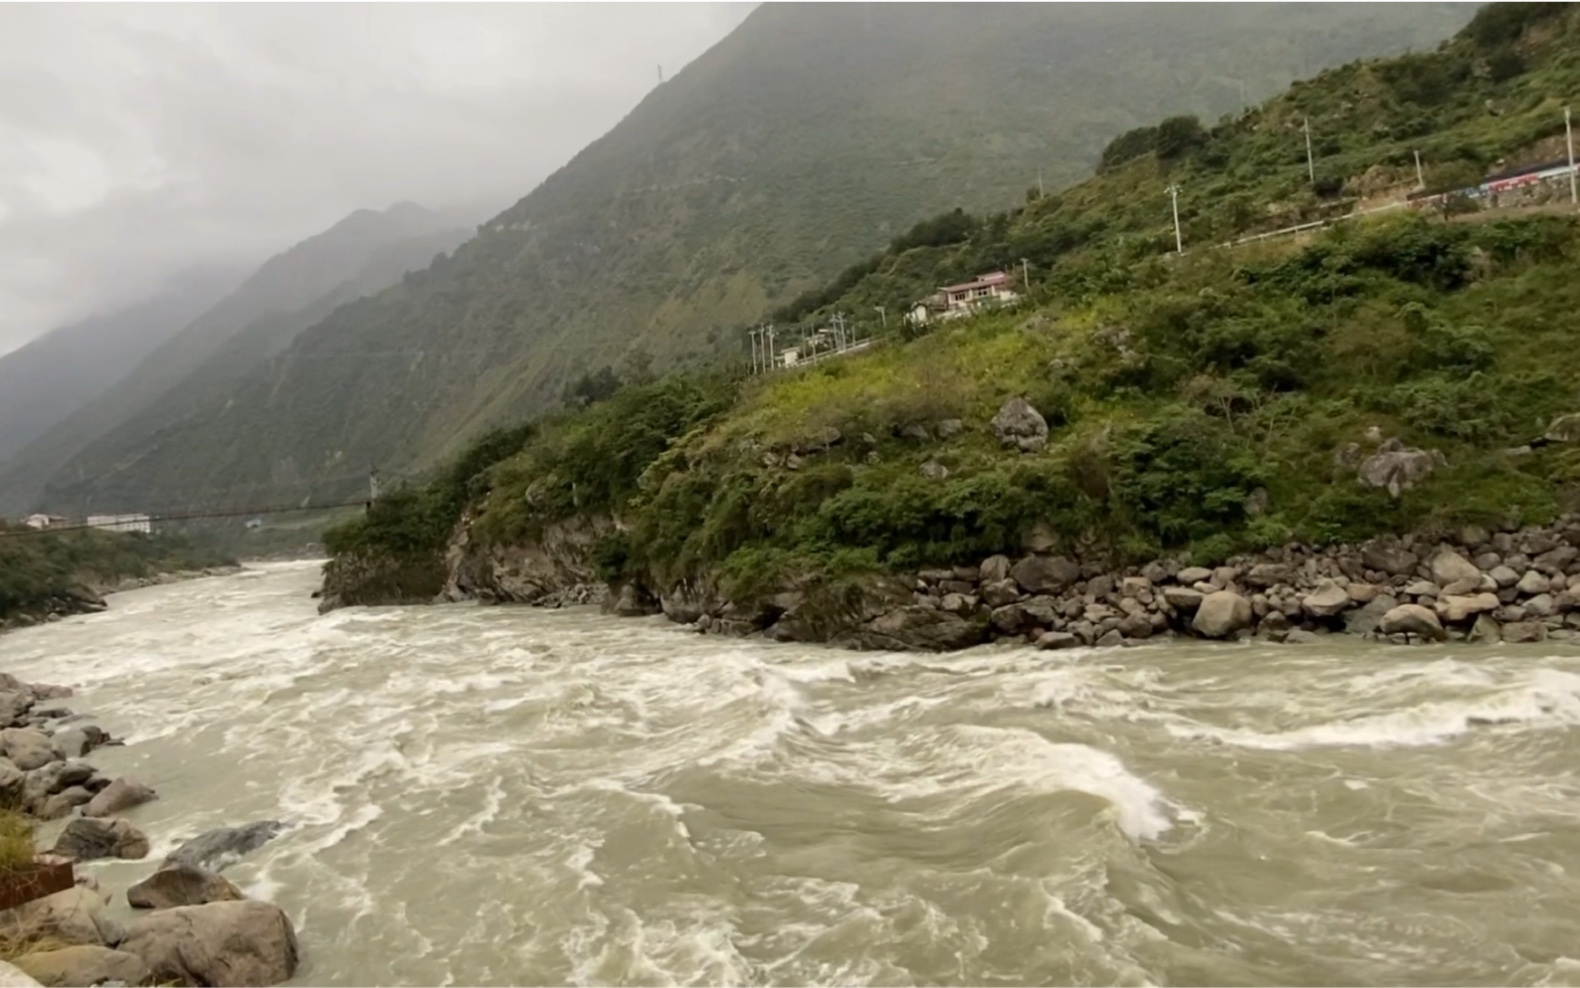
[
  {"x": 46, "y": 380},
  {"x": 363, "y": 253},
  {"x": 808, "y": 138}
]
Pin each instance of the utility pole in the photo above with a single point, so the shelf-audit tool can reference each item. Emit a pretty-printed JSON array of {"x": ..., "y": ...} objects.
[
  {"x": 1039, "y": 183},
  {"x": 373, "y": 485},
  {"x": 771, "y": 353},
  {"x": 1420, "y": 181},
  {"x": 883, "y": 316},
  {"x": 1311, "y": 166},
  {"x": 1174, "y": 196},
  {"x": 1025, "y": 276},
  {"x": 1569, "y": 136}
]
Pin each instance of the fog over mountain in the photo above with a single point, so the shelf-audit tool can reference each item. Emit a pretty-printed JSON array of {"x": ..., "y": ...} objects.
[{"x": 138, "y": 140}]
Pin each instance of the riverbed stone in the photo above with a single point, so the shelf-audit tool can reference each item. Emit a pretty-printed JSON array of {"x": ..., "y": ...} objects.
[
  {"x": 1192, "y": 575},
  {"x": 1486, "y": 631},
  {"x": 1221, "y": 614},
  {"x": 84, "y": 964},
  {"x": 216, "y": 849},
  {"x": 993, "y": 569},
  {"x": 1449, "y": 567},
  {"x": 1182, "y": 598},
  {"x": 1458, "y": 609},
  {"x": 1390, "y": 557},
  {"x": 241, "y": 943},
  {"x": 1412, "y": 619},
  {"x": 1524, "y": 632},
  {"x": 60, "y": 805},
  {"x": 1533, "y": 583},
  {"x": 1058, "y": 640},
  {"x": 1362, "y": 593},
  {"x": 1327, "y": 600},
  {"x": 181, "y": 885},
  {"x": 118, "y": 796},
  {"x": 1045, "y": 574},
  {"x": 76, "y": 915},
  {"x": 26, "y": 747},
  {"x": 89, "y": 839}
]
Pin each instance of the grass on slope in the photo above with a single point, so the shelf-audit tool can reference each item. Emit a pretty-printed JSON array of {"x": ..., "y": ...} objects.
[{"x": 36, "y": 567}]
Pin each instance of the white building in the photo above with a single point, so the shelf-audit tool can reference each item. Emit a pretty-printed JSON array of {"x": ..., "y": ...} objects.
[
  {"x": 36, "y": 521},
  {"x": 122, "y": 523}
]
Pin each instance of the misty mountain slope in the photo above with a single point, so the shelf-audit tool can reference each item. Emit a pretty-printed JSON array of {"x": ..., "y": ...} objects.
[
  {"x": 49, "y": 378},
  {"x": 804, "y": 140},
  {"x": 363, "y": 253}
]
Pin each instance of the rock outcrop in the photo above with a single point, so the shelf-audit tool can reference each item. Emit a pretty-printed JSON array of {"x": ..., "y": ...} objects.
[
  {"x": 89, "y": 839},
  {"x": 1021, "y": 426},
  {"x": 241, "y": 943},
  {"x": 215, "y": 849}
]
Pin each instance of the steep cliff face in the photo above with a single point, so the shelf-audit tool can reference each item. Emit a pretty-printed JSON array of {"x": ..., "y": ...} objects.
[{"x": 558, "y": 567}]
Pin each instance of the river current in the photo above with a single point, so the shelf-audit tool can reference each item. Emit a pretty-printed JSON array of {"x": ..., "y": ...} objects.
[{"x": 509, "y": 796}]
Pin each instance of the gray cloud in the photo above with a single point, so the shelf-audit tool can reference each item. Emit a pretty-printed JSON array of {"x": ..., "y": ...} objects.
[{"x": 137, "y": 140}]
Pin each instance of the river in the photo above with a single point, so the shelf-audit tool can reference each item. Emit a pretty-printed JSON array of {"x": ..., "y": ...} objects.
[{"x": 493, "y": 796}]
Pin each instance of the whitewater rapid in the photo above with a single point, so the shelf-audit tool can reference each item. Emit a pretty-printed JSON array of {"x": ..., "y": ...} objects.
[{"x": 492, "y": 796}]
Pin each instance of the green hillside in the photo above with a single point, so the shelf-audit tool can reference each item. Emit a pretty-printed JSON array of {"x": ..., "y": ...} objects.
[
  {"x": 1201, "y": 404},
  {"x": 810, "y": 136},
  {"x": 194, "y": 373}
]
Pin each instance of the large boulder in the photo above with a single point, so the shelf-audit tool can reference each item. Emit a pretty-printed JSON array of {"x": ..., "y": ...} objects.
[
  {"x": 1459, "y": 609},
  {"x": 181, "y": 885},
  {"x": 76, "y": 915},
  {"x": 84, "y": 964},
  {"x": 1221, "y": 614},
  {"x": 993, "y": 569},
  {"x": 1019, "y": 425},
  {"x": 1398, "y": 467},
  {"x": 74, "y": 742},
  {"x": 122, "y": 794},
  {"x": 1388, "y": 556},
  {"x": 62, "y": 803},
  {"x": 1524, "y": 632},
  {"x": 215, "y": 849},
  {"x": 1449, "y": 567},
  {"x": 921, "y": 629},
  {"x": 1182, "y": 598},
  {"x": 89, "y": 839},
  {"x": 1412, "y": 619},
  {"x": 14, "y": 705},
  {"x": 241, "y": 943},
  {"x": 1045, "y": 574},
  {"x": 1327, "y": 600},
  {"x": 1192, "y": 575},
  {"x": 26, "y": 747}
]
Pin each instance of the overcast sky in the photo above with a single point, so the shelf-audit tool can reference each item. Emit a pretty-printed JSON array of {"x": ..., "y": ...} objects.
[{"x": 138, "y": 140}]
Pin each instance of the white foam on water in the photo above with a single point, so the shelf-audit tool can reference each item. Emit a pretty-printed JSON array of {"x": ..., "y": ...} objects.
[
  {"x": 579, "y": 863},
  {"x": 1545, "y": 698}
]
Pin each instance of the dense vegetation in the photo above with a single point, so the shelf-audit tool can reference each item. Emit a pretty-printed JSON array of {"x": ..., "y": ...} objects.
[
  {"x": 811, "y": 136},
  {"x": 39, "y": 568},
  {"x": 1204, "y": 403}
]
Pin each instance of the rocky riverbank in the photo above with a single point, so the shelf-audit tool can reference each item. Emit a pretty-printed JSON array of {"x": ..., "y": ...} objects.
[
  {"x": 199, "y": 928},
  {"x": 88, "y": 597},
  {"x": 1518, "y": 585}
]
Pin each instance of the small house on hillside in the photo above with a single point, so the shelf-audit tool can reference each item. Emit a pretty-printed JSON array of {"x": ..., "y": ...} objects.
[
  {"x": 122, "y": 523},
  {"x": 954, "y": 301}
]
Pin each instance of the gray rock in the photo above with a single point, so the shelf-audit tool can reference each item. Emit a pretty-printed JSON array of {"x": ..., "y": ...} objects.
[
  {"x": 1057, "y": 640},
  {"x": 122, "y": 794},
  {"x": 1019, "y": 425},
  {"x": 218, "y": 943},
  {"x": 1224, "y": 577},
  {"x": 1112, "y": 638},
  {"x": 1457, "y": 610},
  {"x": 1264, "y": 575},
  {"x": 1485, "y": 630},
  {"x": 1182, "y": 598},
  {"x": 958, "y": 603},
  {"x": 1449, "y": 567},
  {"x": 89, "y": 839},
  {"x": 1525, "y": 632},
  {"x": 1541, "y": 605},
  {"x": 1327, "y": 600},
  {"x": 1274, "y": 627},
  {"x": 1564, "y": 429},
  {"x": 26, "y": 747},
  {"x": 14, "y": 705},
  {"x": 1300, "y": 636},
  {"x": 13, "y": 783},
  {"x": 1533, "y": 583},
  {"x": 1045, "y": 574},
  {"x": 933, "y": 470},
  {"x": 949, "y": 428},
  {"x": 76, "y": 915},
  {"x": 1000, "y": 592},
  {"x": 84, "y": 964},
  {"x": 1412, "y": 619},
  {"x": 993, "y": 569},
  {"x": 1362, "y": 593},
  {"x": 61, "y": 804},
  {"x": 12, "y": 976},
  {"x": 921, "y": 628},
  {"x": 1221, "y": 614},
  {"x": 1503, "y": 576},
  {"x": 1191, "y": 575},
  {"x": 1397, "y": 468},
  {"x": 181, "y": 885},
  {"x": 1421, "y": 588},
  {"x": 1387, "y": 556}
]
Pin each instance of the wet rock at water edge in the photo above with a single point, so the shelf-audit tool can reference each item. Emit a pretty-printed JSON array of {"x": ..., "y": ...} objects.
[
  {"x": 219, "y": 943},
  {"x": 1485, "y": 631},
  {"x": 122, "y": 794},
  {"x": 1058, "y": 639},
  {"x": 1327, "y": 600},
  {"x": 89, "y": 839},
  {"x": 181, "y": 885},
  {"x": 76, "y": 915},
  {"x": 1221, "y": 614},
  {"x": 27, "y": 748},
  {"x": 1412, "y": 619},
  {"x": 218, "y": 848},
  {"x": 1449, "y": 567},
  {"x": 1524, "y": 632},
  {"x": 84, "y": 964}
]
